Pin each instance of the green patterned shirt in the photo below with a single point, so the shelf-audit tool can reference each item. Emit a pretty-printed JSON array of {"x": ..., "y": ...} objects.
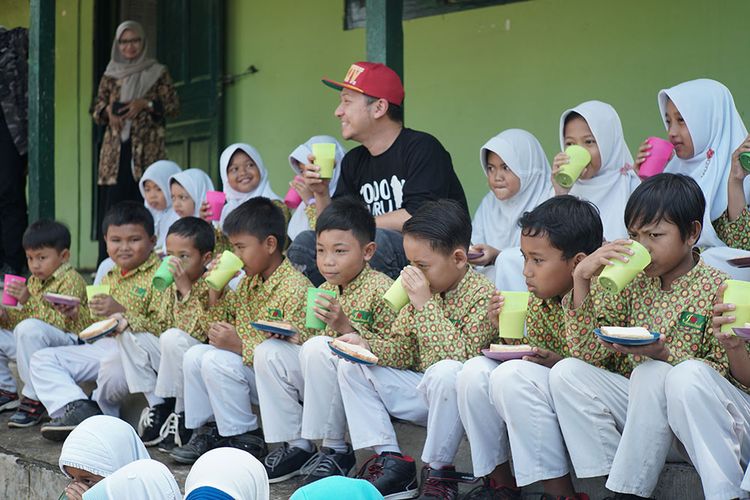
[
  {"x": 735, "y": 234},
  {"x": 189, "y": 312}
]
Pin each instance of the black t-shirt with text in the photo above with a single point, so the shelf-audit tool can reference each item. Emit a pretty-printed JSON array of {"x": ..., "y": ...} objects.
[{"x": 416, "y": 168}]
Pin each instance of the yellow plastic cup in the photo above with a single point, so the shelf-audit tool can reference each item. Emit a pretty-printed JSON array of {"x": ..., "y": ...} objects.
[
  {"x": 93, "y": 290},
  {"x": 737, "y": 293},
  {"x": 227, "y": 267},
  {"x": 396, "y": 297},
  {"x": 513, "y": 314},
  {"x": 312, "y": 321},
  {"x": 569, "y": 173},
  {"x": 616, "y": 277},
  {"x": 325, "y": 158}
]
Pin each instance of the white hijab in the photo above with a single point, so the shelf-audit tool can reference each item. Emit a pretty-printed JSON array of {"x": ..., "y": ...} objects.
[
  {"x": 142, "y": 479},
  {"x": 715, "y": 125},
  {"x": 235, "y": 472},
  {"x": 496, "y": 222},
  {"x": 196, "y": 182},
  {"x": 159, "y": 173},
  {"x": 100, "y": 445},
  {"x": 236, "y": 198},
  {"x": 610, "y": 189},
  {"x": 299, "y": 222},
  {"x": 137, "y": 76}
]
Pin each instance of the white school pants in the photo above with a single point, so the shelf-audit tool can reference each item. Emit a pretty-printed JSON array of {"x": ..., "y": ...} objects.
[
  {"x": 173, "y": 344},
  {"x": 711, "y": 418},
  {"x": 140, "y": 356},
  {"x": 218, "y": 386},
  {"x": 372, "y": 394},
  {"x": 615, "y": 426},
  {"x": 56, "y": 372}
]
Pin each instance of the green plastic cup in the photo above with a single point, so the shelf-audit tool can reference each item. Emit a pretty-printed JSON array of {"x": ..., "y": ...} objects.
[
  {"x": 396, "y": 297},
  {"x": 745, "y": 161},
  {"x": 312, "y": 321},
  {"x": 616, "y": 277},
  {"x": 93, "y": 290},
  {"x": 227, "y": 267},
  {"x": 163, "y": 277},
  {"x": 513, "y": 314},
  {"x": 325, "y": 158},
  {"x": 569, "y": 173},
  {"x": 737, "y": 293}
]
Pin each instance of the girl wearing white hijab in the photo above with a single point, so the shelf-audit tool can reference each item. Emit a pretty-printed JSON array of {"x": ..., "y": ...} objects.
[
  {"x": 227, "y": 473},
  {"x": 701, "y": 113},
  {"x": 609, "y": 179},
  {"x": 95, "y": 449},
  {"x": 518, "y": 173},
  {"x": 188, "y": 190},
  {"x": 299, "y": 221},
  {"x": 139, "y": 480}
]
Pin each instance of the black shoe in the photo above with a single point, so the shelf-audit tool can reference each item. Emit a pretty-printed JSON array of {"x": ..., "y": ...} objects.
[
  {"x": 442, "y": 483},
  {"x": 490, "y": 491},
  {"x": 328, "y": 462},
  {"x": 8, "y": 400},
  {"x": 175, "y": 433},
  {"x": 30, "y": 412},
  {"x": 204, "y": 439},
  {"x": 251, "y": 442},
  {"x": 76, "y": 412},
  {"x": 286, "y": 462},
  {"x": 625, "y": 496},
  {"x": 394, "y": 476},
  {"x": 151, "y": 422}
]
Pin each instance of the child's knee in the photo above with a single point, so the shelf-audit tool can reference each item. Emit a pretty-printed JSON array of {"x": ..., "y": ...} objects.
[
  {"x": 564, "y": 374},
  {"x": 316, "y": 348},
  {"x": 474, "y": 376},
  {"x": 170, "y": 338},
  {"x": 443, "y": 374},
  {"x": 30, "y": 328}
]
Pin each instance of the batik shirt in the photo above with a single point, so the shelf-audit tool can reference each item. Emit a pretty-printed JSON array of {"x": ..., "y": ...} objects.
[
  {"x": 189, "y": 312},
  {"x": 735, "y": 234}
]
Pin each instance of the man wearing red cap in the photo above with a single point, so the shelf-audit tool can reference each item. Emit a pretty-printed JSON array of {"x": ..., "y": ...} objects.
[{"x": 393, "y": 172}]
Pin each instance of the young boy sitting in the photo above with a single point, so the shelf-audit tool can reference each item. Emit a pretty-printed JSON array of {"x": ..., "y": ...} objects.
[
  {"x": 117, "y": 362},
  {"x": 219, "y": 377},
  {"x": 444, "y": 324},
  {"x": 617, "y": 426},
  {"x": 288, "y": 374},
  {"x": 496, "y": 398},
  {"x": 190, "y": 244},
  {"x": 38, "y": 323}
]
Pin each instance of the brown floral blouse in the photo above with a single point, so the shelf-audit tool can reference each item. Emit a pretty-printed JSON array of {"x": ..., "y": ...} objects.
[{"x": 147, "y": 132}]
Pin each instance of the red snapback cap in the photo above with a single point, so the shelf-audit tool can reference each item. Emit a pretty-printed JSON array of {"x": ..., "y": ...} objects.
[{"x": 373, "y": 79}]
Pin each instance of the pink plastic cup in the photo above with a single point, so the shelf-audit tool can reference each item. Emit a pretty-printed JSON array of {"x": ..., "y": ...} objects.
[
  {"x": 215, "y": 200},
  {"x": 9, "y": 300},
  {"x": 661, "y": 151},
  {"x": 292, "y": 198}
]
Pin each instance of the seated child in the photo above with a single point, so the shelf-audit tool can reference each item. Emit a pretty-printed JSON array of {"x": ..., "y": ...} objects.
[
  {"x": 617, "y": 426},
  {"x": 219, "y": 377},
  {"x": 96, "y": 449},
  {"x": 38, "y": 323},
  {"x": 188, "y": 190},
  {"x": 518, "y": 174},
  {"x": 228, "y": 471},
  {"x": 137, "y": 480},
  {"x": 117, "y": 362},
  {"x": 732, "y": 226},
  {"x": 288, "y": 374},
  {"x": 444, "y": 324},
  {"x": 496, "y": 399}
]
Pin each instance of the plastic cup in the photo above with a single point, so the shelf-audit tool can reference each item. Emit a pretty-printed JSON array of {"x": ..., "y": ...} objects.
[
  {"x": 8, "y": 299},
  {"x": 569, "y": 173},
  {"x": 737, "y": 293},
  {"x": 325, "y": 158},
  {"x": 163, "y": 276},
  {"x": 396, "y": 297},
  {"x": 224, "y": 271},
  {"x": 616, "y": 277},
  {"x": 661, "y": 150},
  {"x": 312, "y": 321},
  {"x": 292, "y": 198},
  {"x": 215, "y": 200},
  {"x": 745, "y": 161},
  {"x": 94, "y": 290},
  {"x": 513, "y": 314}
]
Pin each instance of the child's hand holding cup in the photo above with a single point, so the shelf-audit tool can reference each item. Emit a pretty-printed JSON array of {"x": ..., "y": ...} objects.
[
  {"x": 325, "y": 158},
  {"x": 578, "y": 159},
  {"x": 618, "y": 274}
]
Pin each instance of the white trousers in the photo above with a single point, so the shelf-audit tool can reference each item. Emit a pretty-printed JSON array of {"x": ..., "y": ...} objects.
[
  {"x": 372, "y": 394},
  {"x": 56, "y": 372},
  {"x": 521, "y": 394},
  {"x": 613, "y": 425},
  {"x": 173, "y": 344},
  {"x": 140, "y": 356},
  {"x": 218, "y": 386},
  {"x": 7, "y": 354},
  {"x": 485, "y": 429},
  {"x": 711, "y": 418}
]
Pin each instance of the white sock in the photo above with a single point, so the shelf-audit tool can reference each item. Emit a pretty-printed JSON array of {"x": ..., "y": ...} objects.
[
  {"x": 304, "y": 444},
  {"x": 439, "y": 465},
  {"x": 337, "y": 445},
  {"x": 391, "y": 448},
  {"x": 153, "y": 399}
]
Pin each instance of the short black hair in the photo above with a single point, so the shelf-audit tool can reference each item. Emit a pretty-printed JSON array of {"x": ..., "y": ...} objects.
[
  {"x": 46, "y": 233},
  {"x": 572, "y": 225},
  {"x": 129, "y": 212},
  {"x": 197, "y": 230},
  {"x": 395, "y": 113},
  {"x": 676, "y": 198},
  {"x": 348, "y": 214},
  {"x": 572, "y": 116},
  {"x": 258, "y": 217},
  {"x": 445, "y": 224}
]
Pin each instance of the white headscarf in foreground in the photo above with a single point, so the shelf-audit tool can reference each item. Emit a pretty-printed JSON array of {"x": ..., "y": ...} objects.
[
  {"x": 140, "y": 480},
  {"x": 159, "y": 173},
  {"x": 196, "y": 182},
  {"x": 236, "y": 198},
  {"x": 232, "y": 471}
]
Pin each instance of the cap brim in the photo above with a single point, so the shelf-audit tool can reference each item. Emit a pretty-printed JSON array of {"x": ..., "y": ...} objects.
[{"x": 339, "y": 85}]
